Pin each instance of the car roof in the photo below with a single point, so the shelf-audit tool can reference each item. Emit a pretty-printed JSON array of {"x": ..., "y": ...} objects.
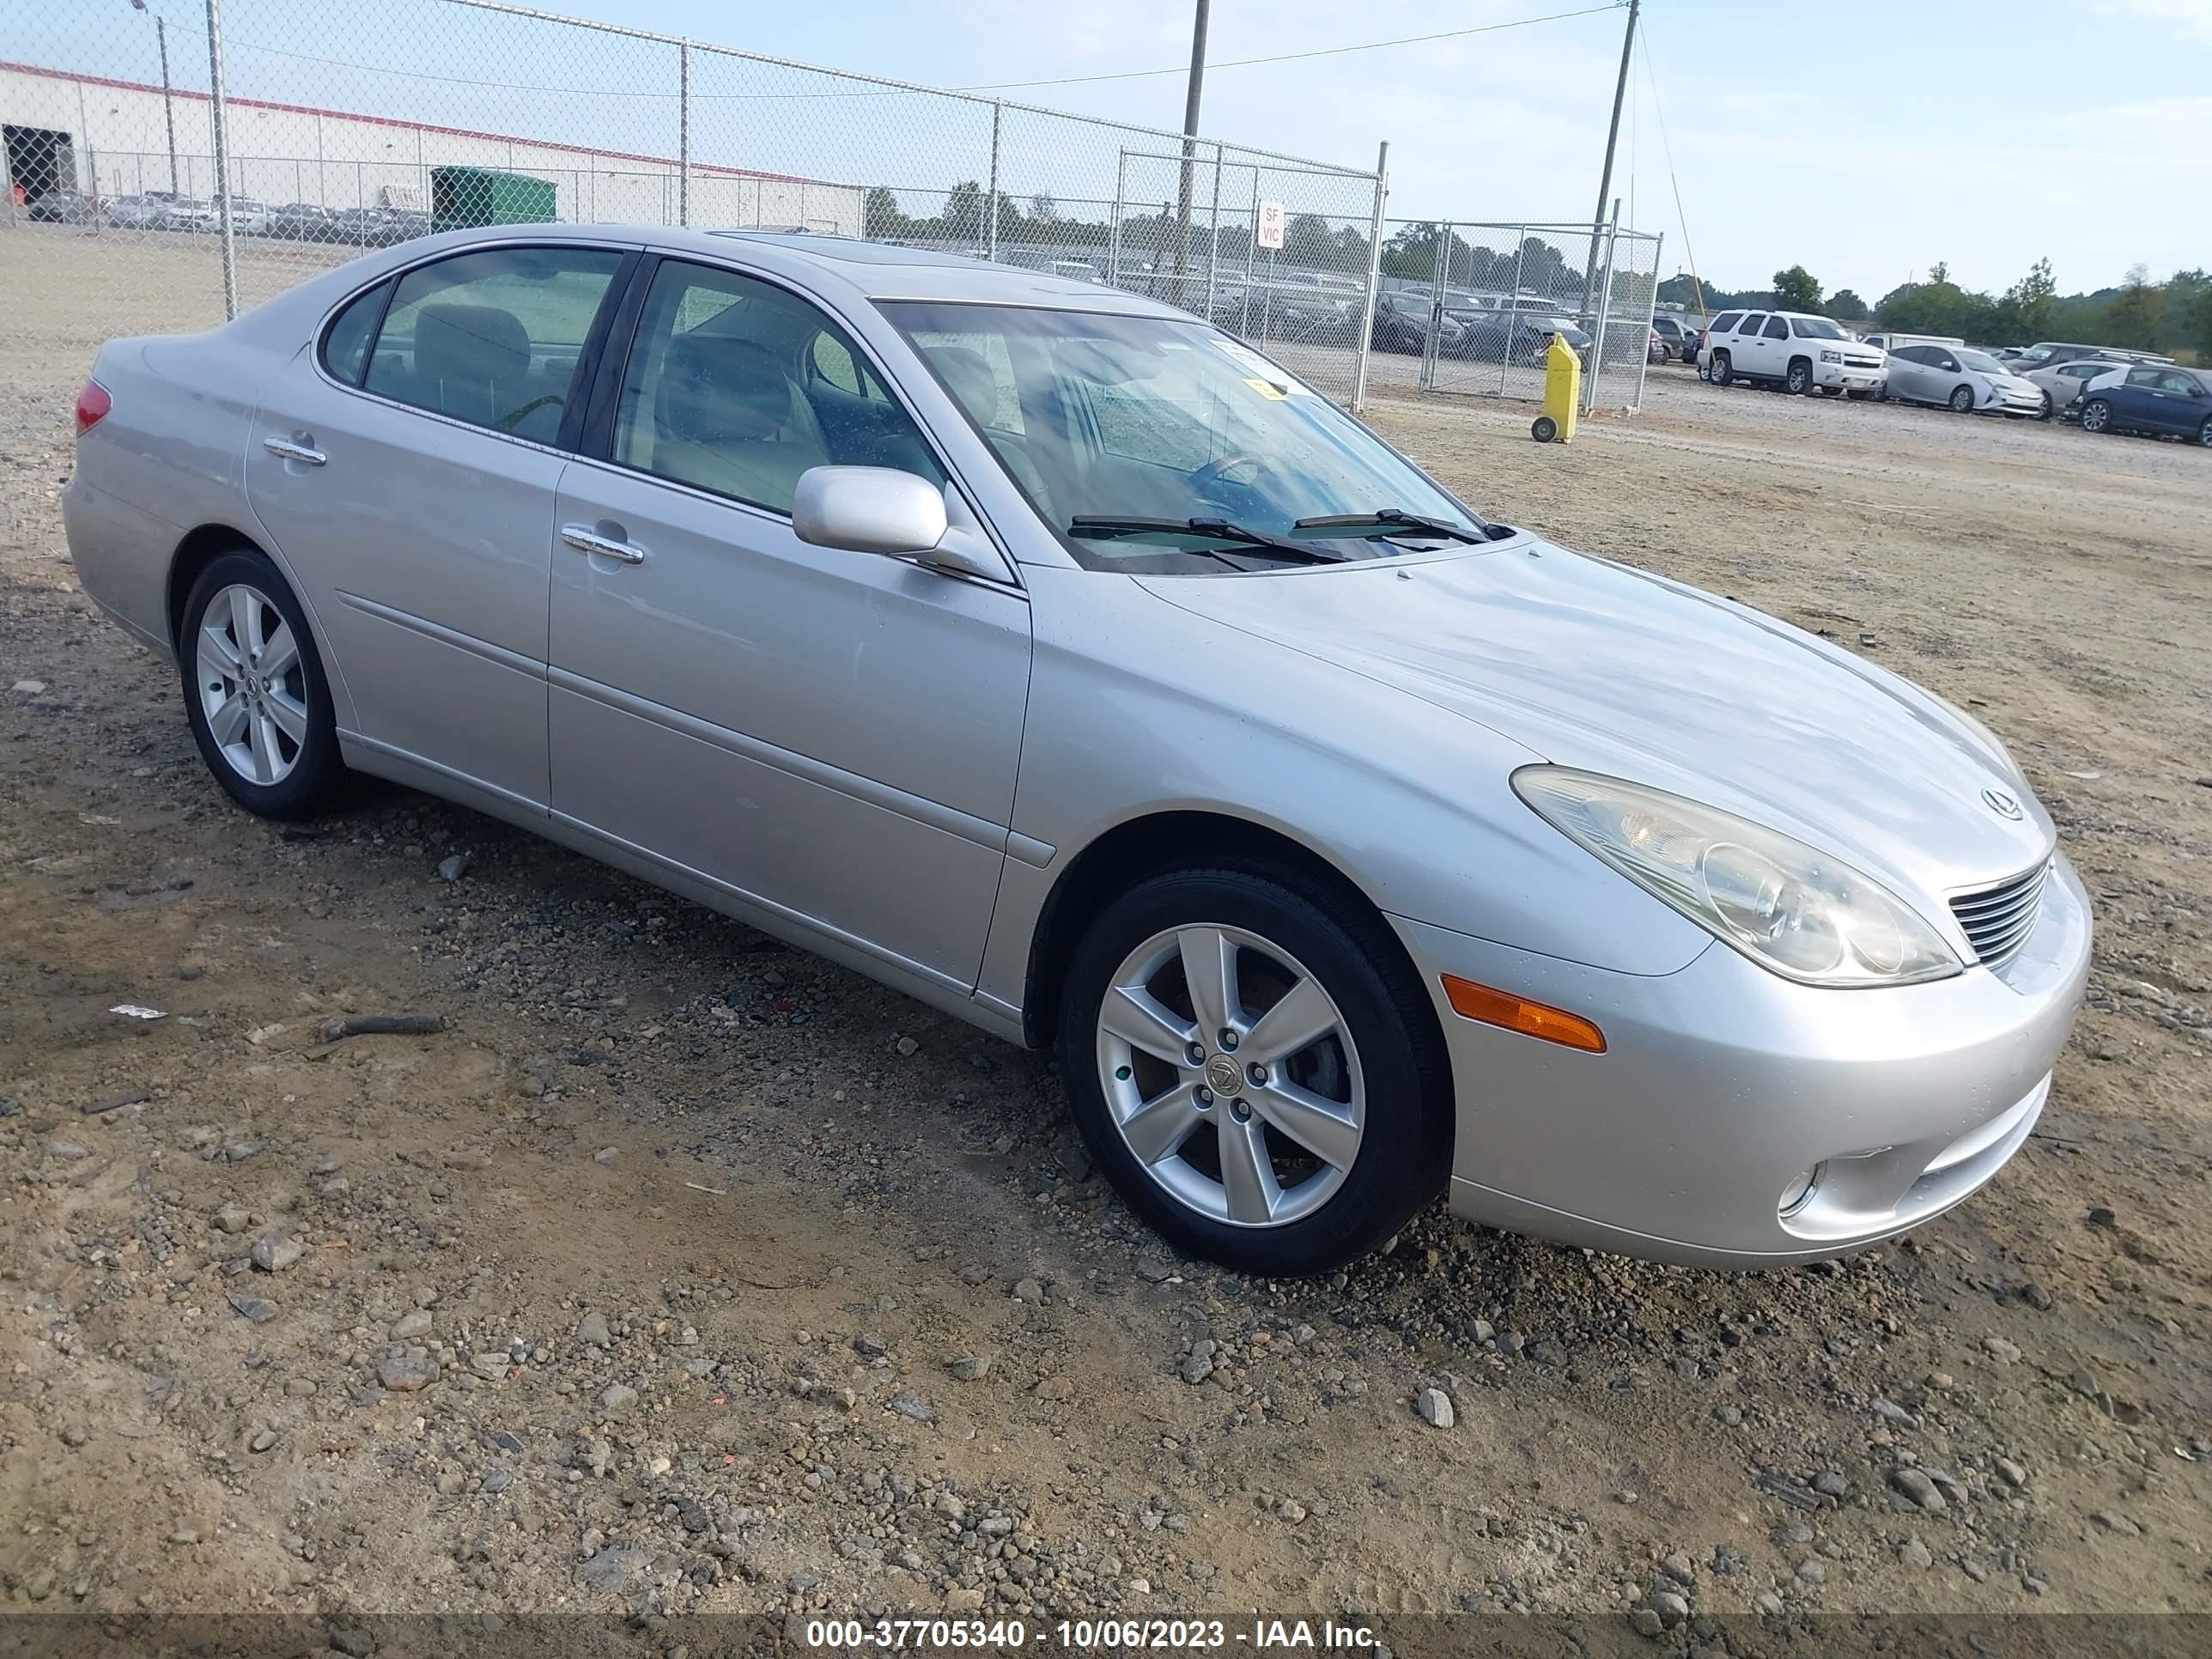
[{"x": 873, "y": 271}]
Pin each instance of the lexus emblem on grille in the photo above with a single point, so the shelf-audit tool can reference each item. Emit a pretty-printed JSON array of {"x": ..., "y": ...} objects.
[{"x": 2001, "y": 804}]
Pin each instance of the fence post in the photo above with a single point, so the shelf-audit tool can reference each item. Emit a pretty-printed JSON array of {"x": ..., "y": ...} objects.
[
  {"x": 1651, "y": 302},
  {"x": 1512, "y": 309},
  {"x": 1251, "y": 254},
  {"x": 1439, "y": 275},
  {"x": 1604, "y": 308},
  {"x": 1214, "y": 236},
  {"x": 1374, "y": 276},
  {"x": 990, "y": 201},
  {"x": 684, "y": 132},
  {"x": 1113, "y": 223},
  {"x": 219, "y": 120}
]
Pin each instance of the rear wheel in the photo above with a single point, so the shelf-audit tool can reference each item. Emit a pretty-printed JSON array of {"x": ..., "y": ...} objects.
[
  {"x": 1799, "y": 381},
  {"x": 254, "y": 689},
  {"x": 1724, "y": 371},
  {"x": 2096, "y": 416},
  {"x": 1962, "y": 400},
  {"x": 1254, "y": 1068},
  {"x": 2204, "y": 434}
]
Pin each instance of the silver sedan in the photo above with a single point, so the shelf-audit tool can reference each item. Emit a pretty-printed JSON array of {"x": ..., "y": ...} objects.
[{"x": 1062, "y": 661}]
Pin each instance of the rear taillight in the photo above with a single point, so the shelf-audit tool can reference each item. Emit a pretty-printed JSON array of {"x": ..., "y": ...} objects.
[{"x": 92, "y": 406}]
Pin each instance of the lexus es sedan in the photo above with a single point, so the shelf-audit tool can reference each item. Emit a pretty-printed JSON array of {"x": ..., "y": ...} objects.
[{"x": 1054, "y": 657}]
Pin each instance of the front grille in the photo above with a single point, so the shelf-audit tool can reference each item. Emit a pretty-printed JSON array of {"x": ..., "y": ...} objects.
[
  {"x": 1997, "y": 920},
  {"x": 1851, "y": 361}
]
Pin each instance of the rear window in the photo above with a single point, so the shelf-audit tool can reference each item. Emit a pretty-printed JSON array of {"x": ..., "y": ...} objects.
[{"x": 345, "y": 345}]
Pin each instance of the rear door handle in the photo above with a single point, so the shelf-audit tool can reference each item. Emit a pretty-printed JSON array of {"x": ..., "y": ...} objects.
[
  {"x": 585, "y": 540},
  {"x": 307, "y": 454}
]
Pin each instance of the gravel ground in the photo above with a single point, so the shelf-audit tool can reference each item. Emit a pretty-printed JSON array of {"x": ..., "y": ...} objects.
[{"x": 681, "y": 1271}]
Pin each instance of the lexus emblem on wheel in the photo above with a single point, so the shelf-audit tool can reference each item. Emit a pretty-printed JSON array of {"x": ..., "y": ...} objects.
[{"x": 2001, "y": 804}]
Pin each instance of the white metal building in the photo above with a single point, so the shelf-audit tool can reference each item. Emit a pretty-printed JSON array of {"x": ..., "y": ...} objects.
[{"x": 114, "y": 135}]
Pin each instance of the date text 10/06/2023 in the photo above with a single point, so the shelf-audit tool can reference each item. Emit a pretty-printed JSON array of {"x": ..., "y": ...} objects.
[{"x": 1087, "y": 1635}]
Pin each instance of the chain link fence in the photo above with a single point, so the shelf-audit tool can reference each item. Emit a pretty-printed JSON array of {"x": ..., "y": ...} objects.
[
  {"x": 172, "y": 161},
  {"x": 1468, "y": 308}
]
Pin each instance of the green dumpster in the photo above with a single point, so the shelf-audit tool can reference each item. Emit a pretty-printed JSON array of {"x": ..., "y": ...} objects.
[{"x": 461, "y": 196}]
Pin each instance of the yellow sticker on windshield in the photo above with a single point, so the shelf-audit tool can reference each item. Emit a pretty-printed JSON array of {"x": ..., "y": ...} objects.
[{"x": 1268, "y": 389}]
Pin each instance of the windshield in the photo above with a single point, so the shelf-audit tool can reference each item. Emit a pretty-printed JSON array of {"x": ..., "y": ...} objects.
[
  {"x": 1099, "y": 417},
  {"x": 1980, "y": 362},
  {"x": 1815, "y": 328}
]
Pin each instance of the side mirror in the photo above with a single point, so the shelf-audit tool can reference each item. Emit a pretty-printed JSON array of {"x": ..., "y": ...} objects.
[
  {"x": 868, "y": 509},
  {"x": 881, "y": 509}
]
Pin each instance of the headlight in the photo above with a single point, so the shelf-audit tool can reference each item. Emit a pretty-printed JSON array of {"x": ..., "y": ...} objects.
[
  {"x": 1794, "y": 910},
  {"x": 1832, "y": 357}
]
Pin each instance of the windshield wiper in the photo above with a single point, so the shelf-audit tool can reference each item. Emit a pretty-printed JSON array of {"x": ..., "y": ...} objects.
[
  {"x": 1385, "y": 521},
  {"x": 1275, "y": 547}
]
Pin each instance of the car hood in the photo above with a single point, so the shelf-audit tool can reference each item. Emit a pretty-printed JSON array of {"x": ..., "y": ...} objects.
[{"x": 1589, "y": 664}]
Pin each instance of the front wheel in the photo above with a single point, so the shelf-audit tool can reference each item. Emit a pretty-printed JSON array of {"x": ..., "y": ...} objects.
[
  {"x": 254, "y": 689},
  {"x": 1724, "y": 371},
  {"x": 2096, "y": 416},
  {"x": 1962, "y": 400},
  {"x": 2204, "y": 434},
  {"x": 1800, "y": 377},
  {"x": 1255, "y": 1070}
]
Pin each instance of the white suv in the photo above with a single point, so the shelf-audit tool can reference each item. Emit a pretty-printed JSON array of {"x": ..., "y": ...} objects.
[{"x": 1794, "y": 350}]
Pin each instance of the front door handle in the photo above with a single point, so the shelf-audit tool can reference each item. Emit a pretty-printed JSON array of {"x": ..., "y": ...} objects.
[
  {"x": 585, "y": 540},
  {"x": 307, "y": 454}
]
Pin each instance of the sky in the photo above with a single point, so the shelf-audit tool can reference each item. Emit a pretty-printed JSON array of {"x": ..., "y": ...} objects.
[{"x": 1867, "y": 141}]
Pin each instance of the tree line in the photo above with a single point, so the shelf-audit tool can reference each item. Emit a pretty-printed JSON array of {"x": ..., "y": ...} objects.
[{"x": 2175, "y": 316}]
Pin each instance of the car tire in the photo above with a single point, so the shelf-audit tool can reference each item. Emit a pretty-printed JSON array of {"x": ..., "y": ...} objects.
[
  {"x": 1724, "y": 371},
  {"x": 1799, "y": 379},
  {"x": 1961, "y": 400},
  {"x": 2096, "y": 416},
  {"x": 2050, "y": 409},
  {"x": 1544, "y": 429},
  {"x": 1206, "y": 1171},
  {"x": 255, "y": 693},
  {"x": 2204, "y": 434}
]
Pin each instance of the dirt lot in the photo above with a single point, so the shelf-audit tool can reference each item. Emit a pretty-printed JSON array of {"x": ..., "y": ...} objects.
[{"x": 660, "y": 1280}]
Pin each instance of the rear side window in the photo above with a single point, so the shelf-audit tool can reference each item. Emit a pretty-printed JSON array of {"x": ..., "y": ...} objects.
[
  {"x": 345, "y": 343},
  {"x": 493, "y": 338},
  {"x": 1726, "y": 322}
]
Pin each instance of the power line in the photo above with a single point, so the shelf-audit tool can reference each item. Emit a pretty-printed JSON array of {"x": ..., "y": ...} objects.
[
  {"x": 1296, "y": 57},
  {"x": 903, "y": 92}
]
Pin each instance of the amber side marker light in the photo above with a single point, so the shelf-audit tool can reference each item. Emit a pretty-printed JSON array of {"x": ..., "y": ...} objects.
[{"x": 1536, "y": 1019}]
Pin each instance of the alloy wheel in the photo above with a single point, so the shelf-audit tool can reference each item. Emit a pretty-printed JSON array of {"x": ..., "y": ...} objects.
[
  {"x": 253, "y": 684},
  {"x": 2096, "y": 416},
  {"x": 1231, "y": 1075}
]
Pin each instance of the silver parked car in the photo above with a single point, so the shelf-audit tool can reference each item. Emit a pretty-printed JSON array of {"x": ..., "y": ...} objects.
[
  {"x": 1050, "y": 655},
  {"x": 1961, "y": 379}
]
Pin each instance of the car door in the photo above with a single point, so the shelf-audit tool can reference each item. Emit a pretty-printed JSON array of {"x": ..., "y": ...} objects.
[
  {"x": 828, "y": 737},
  {"x": 1742, "y": 343},
  {"x": 2134, "y": 401},
  {"x": 2175, "y": 405},
  {"x": 1912, "y": 373},
  {"x": 1774, "y": 347},
  {"x": 405, "y": 465}
]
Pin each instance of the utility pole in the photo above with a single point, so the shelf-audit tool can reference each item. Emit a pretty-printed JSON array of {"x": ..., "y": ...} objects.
[
  {"x": 1192, "y": 93},
  {"x": 1605, "y": 178},
  {"x": 168, "y": 103}
]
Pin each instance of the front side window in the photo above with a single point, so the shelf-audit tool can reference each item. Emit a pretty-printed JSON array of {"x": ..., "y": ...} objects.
[
  {"x": 493, "y": 338},
  {"x": 737, "y": 387},
  {"x": 1777, "y": 328},
  {"x": 2174, "y": 380},
  {"x": 1104, "y": 416}
]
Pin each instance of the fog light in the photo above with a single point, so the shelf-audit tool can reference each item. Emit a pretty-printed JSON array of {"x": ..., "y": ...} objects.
[{"x": 1799, "y": 1192}]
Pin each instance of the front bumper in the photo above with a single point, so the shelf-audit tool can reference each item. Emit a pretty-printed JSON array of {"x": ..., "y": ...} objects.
[
  {"x": 1849, "y": 377},
  {"x": 1721, "y": 1083}
]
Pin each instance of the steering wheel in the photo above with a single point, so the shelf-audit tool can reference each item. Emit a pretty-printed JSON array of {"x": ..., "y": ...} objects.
[{"x": 1216, "y": 472}]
